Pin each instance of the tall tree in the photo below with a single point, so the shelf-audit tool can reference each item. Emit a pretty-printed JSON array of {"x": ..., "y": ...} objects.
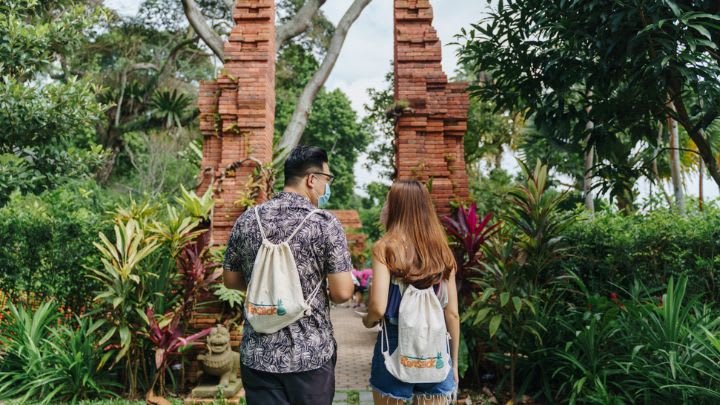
[
  {"x": 300, "y": 19},
  {"x": 47, "y": 116},
  {"x": 333, "y": 124},
  {"x": 148, "y": 66},
  {"x": 380, "y": 116},
  {"x": 543, "y": 56}
]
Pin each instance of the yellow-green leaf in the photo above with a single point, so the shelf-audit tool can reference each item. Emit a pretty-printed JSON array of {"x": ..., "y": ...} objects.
[
  {"x": 495, "y": 324},
  {"x": 481, "y": 315},
  {"x": 517, "y": 302},
  {"x": 504, "y": 298}
]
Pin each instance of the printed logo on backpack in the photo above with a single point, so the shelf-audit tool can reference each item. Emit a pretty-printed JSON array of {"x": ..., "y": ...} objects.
[{"x": 275, "y": 297}]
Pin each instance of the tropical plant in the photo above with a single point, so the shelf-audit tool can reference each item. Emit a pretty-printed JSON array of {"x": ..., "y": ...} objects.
[
  {"x": 469, "y": 232},
  {"x": 75, "y": 370},
  {"x": 170, "y": 106},
  {"x": 176, "y": 230},
  {"x": 47, "y": 361},
  {"x": 644, "y": 349},
  {"x": 121, "y": 279},
  {"x": 506, "y": 305},
  {"x": 21, "y": 342},
  {"x": 167, "y": 338},
  {"x": 197, "y": 274},
  {"x": 196, "y": 207},
  {"x": 156, "y": 261},
  {"x": 535, "y": 213},
  {"x": 515, "y": 273},
  {"x": 233, "y": 299}
]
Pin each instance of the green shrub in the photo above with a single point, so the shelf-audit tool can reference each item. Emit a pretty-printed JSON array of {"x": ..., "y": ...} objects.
[
  {"x": 47, "y": 361},
  {"x": 640, "y": 349},
  {"x": 46, "y": 243},
  {"x": 611, "y": 250}
]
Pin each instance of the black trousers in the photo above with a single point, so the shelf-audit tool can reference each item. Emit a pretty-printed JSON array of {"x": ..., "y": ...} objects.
[{"x": 314, "y": 387}]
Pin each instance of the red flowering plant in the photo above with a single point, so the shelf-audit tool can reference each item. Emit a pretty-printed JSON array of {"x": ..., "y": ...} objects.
[
  {"x": 469, "y": 232},
  {"x": 198, "y": 273},
  {"x": 166, "y": 334}
]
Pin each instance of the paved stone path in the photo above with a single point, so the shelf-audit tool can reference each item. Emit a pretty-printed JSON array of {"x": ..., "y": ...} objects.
[{"x": 355, "y": 349}]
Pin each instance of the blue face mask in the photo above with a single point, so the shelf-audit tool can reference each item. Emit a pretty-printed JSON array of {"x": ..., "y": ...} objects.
[{"x": 323, "y": 199}]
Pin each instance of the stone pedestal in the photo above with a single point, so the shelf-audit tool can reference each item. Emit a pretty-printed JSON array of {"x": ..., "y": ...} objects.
[
  {"x": 213, "y": 391},
  {"x": 235, "y": 399}
]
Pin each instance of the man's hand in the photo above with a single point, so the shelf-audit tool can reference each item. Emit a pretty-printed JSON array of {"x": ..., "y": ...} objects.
[{"x": 234, "y": 280}]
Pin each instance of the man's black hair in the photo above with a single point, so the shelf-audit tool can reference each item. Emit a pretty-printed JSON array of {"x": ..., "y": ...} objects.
[{"x": 302, "y": 161}]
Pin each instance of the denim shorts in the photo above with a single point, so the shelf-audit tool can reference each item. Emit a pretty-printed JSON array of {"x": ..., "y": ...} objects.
[{"x": 388, "y": 386}]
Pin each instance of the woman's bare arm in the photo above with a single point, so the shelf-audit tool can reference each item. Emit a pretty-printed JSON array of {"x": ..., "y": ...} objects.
[
  {"x": 452, "y": 321},
  {"x": 378, "y": 294}
]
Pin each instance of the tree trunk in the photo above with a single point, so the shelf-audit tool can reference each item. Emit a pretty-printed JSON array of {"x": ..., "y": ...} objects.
[
  {"x": 298, "y": 24},
  {"x": 696, "y": 132},
  {"x": 675, "y": 164},
  {"x": 661, "y": 185},
  {"x": 296, "y": 127},
  {"x": 589, "y": 162},
  {"x": 587, "y": 178},
  {"x": 700, "y": 187},
  {"x": 201, "y": 27},
  {"x": 498, "y": 159}
]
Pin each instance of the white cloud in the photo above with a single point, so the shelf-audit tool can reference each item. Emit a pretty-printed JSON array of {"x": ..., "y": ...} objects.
[{"x": 124, "y": 7}]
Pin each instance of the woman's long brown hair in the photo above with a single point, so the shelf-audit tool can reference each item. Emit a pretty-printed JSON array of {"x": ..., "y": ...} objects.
[{"x": 415, "y": 247}]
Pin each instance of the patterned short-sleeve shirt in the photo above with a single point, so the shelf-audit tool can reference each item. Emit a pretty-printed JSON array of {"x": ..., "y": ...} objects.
[{"x": 320, "y": 248}]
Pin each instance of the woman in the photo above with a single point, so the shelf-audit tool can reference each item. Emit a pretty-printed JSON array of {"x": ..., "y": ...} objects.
[{"x": 414, "y": 251}]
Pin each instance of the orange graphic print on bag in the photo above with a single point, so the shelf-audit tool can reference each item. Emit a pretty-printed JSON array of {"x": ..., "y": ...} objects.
[
  {"x": 266, "y": 309},
  {"x": 422, "y": 362}
]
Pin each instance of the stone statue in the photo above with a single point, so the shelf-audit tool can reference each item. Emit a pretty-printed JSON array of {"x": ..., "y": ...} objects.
[{"x": 220, "y": 361}]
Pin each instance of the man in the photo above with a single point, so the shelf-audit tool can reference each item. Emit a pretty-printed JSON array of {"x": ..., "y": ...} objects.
[{"x": 295, "y": 365}]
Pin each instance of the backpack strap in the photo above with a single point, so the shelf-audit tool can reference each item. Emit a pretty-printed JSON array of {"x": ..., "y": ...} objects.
[
  {"x": 292, "y": 235},
  {"x": 312, "y": 296},
  {"x": 257, "y": 216},
  {"x": 384, "y": 341}
]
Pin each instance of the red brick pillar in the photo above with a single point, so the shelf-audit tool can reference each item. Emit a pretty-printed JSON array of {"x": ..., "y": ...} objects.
[
  {"x": 237, "y": 111},
  {"x": 429, "y": 133},
  {"x": 237, "y": 120}
]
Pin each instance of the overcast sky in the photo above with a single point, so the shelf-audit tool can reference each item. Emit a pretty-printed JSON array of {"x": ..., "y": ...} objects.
[{"x": 366, "y": 55}]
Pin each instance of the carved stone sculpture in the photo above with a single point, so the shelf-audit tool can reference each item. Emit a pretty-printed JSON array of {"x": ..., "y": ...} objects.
[{"x": 220, "y": 361}]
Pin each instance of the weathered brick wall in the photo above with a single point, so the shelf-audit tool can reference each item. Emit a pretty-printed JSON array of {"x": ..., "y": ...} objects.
[
  {"x": 237, "y": 111},
  {"x": 350, "y": 220},
  {"x": 237, "y": 118},
  {"x": 429, "y": 133}
]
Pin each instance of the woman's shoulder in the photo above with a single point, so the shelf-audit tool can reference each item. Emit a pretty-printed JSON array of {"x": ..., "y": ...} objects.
[{"x": 378, "y": 249}]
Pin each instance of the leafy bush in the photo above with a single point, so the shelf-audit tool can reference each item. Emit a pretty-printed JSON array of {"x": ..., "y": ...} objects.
[
  {"x": 45, "y": 243},
  {"x": 643, "y": 349},
  {"x": 48, "y": 361},
  {"x": 153, "y": 262},
  {"x": 517, "y": 273},
  {"x": 611, "y": 250}
]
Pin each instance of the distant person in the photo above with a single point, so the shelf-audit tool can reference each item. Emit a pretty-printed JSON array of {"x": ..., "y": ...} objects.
[
  {"x": 295, "y": 364},
  {"x": 414, "y": 252},
  {"x": 361, "y": 286}
]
